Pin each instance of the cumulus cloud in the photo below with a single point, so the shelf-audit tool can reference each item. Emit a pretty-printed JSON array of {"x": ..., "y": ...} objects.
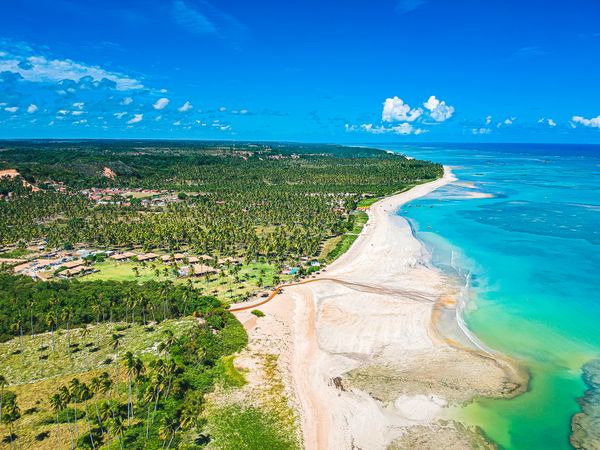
[
  {"x": 479, "y": 131},
  {"x": 594, "y": 122},
  {"x": 185, "y": 107},
  {"x": 404, "y": 128},
  {"x": 120, "y": 115},
  {"x": 161, "y": 103},
  {"x": 40, "y": 69},
  {"x": 11, "y": 109},
  {"x": 32, "y": 108},
  {"x": 488, "y": 120},
  {"x": 438, "y": 110},
  {"x": 551, "y": 123},
  {"x": 395, "y": 110},
  {"x": 222, "y": 109},
  {"x": 127, "y": 101},
  {"x": 136, "y": 118}
]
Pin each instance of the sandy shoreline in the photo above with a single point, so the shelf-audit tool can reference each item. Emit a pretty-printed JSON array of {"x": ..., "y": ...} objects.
[{"x": 361, "y": 361}]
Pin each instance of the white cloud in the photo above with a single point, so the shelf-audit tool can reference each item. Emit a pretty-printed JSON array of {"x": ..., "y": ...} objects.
[
  {"x": 136, "y": 118},
  {"x": 127, "y": 101},
  {"x": 488, "y": 120},
  {"x": 11, "y": 109},
  {"x": 404, "y": 128},
  {"x": 243, "y": 111},
  {"x": 222, "y": 109},
  {"x": 77, "y": 113},
  {"x": 395, "y": 110},
  {"x": 161, "y": 103},
  {"x": 506, "y": 122},
  {"x": 185, "y": 107},
  {"x": 120, "y": 115},
  {"x": 32, "y": 108},
  {"x": 438, "y": 110},
  {"x": 482, "y": 130},
  {"x": 40, "y": 69},
  {"x": 177, "y": 123},
  {"x": 78, "y": 105},
  {"x": 551, "y": 123},
  {"x": 594, "y": 122}
]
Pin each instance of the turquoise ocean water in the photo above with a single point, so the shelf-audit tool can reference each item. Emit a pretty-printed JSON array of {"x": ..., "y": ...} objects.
[{"x": 530, "y": 256}]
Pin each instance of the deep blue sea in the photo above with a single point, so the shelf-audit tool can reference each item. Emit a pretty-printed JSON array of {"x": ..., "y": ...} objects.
[{"x": 521, "y": 227}]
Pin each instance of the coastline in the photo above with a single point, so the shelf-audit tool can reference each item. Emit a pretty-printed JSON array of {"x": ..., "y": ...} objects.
[{"x": 361, "y": 355}]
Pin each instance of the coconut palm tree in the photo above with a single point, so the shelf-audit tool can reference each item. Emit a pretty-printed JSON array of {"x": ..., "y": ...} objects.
[
  {"x": 65, "y": 397},
  {"x": 17, "y": 327},
  {"x": 117, "y": 428},
  {"x": 51, "y": 323},
  {"x": 85, "y": 394},
  {"x": 129, "y": 362},
  {"x": 116, "y": 343},
  {"x": 169, "y": 426},
  {"x": 57, "y": 406},
  {"x": 3, "y": 384},
  {"x": 12, "y": 413},
  {"x": 67, "y": 317},
  {"x": 74, "y": 387},
  {"x": 96, "y": 387}
]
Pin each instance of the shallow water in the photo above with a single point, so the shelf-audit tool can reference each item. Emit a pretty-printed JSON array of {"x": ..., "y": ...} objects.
[{"x": 531, "y": 257}]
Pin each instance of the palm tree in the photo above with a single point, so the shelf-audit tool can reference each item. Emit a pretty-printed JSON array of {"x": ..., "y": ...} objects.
[
  {"x": 74, "y": 389},
  {"x": 129, "y": 361},
  {"x": 65, "y": 397},
  {"x": 17, "y": 327},
  {"x": 51, "y": 323},
  {"x": 3, "y": 384},
  {"x": 96, "y": 387},
  {"x": 116, "y": 342},
  {"x": 67, "y": 316},
  {"x": 12, "y": 413},
  {"x": 117, "y": 428},
  {"x": 169, "y": 426},
  {"x": 57, "y": 406},
  {"x": 85, "y": 394},
  {"x": 85, "y": 332},
  {"x": 30, "y": 305}
]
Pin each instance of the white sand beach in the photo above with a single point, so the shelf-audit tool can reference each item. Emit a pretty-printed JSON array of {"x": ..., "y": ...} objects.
[{"x": 363, "y": 365}]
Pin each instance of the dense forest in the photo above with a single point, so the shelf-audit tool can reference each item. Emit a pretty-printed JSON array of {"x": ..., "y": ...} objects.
[{"x": 279, "y": 201}]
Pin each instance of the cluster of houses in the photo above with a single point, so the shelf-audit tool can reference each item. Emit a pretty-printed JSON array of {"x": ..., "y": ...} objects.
[
  {"x": 57, "y": 264},
  {"x": 119, "y": 196}
]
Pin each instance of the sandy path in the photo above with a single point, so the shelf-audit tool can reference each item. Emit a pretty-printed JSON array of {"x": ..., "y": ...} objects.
[{"x": 364, "y": 364}]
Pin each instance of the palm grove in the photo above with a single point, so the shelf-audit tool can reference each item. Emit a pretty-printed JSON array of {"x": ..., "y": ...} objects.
[{"x": 278, "y": 202}]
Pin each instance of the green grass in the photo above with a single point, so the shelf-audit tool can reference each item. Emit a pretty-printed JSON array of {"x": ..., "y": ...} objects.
[
  {"x": 225, "y": 288},
  {"x": 269, "y": 423},
  {"x": 124, "y": 271},
  {"x": 339, "y": 245},
  {"x": 366, "y": 202},
  {"x": 60, "y": 363},
  {"x": 236, "y": 427},
  {"x": 232, "y": 376}
]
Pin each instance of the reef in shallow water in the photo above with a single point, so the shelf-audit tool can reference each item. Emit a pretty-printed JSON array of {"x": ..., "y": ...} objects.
[{"x": 585, "y": 425}]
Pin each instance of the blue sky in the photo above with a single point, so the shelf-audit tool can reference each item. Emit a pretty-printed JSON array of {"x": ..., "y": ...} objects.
[{"x": 353, "y": 71}]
